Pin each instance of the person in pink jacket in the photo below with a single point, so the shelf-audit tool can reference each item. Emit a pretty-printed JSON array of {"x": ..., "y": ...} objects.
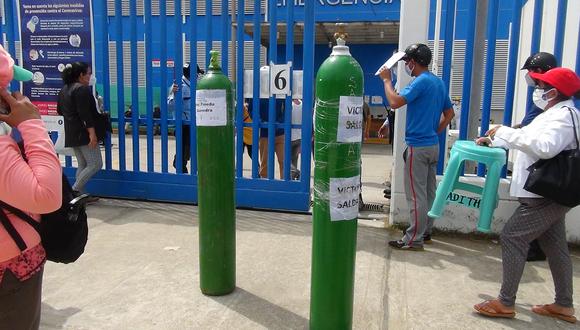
[{"x": 35, "y": 187}]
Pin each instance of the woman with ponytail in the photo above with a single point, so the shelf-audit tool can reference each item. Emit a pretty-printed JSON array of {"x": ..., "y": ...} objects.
[{"x": 78, "y": 107}]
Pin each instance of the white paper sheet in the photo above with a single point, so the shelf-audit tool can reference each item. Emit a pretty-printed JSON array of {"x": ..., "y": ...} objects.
[
  {"x": 391, "y": 62},
  {"x": 211, "y": 107},
  {"x": 344, "y": 201},
  {"x": 350, "y": 119}
]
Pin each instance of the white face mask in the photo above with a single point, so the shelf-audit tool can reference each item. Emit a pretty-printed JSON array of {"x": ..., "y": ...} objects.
[
  {"x": 93, "y": 80},
  {"x": 540, "y": 99},
  {"x": 409, "y": 70},
  {"x": 529, "y": 80}
]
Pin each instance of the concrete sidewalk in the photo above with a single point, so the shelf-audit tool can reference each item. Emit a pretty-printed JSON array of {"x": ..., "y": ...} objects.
[{"x": 140, "y": 271}]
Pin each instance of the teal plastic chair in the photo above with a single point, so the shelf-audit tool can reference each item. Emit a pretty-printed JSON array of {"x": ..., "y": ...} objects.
[{"x": 493, "y": 158}]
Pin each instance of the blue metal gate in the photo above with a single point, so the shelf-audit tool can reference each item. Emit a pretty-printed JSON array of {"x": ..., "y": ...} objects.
[
  {"x": 137, "y": 163},
  {"x": 155, "y": 181}
]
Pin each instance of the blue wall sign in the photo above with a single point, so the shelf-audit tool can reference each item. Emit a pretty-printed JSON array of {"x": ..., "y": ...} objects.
[{"x": 53, "y": 34}]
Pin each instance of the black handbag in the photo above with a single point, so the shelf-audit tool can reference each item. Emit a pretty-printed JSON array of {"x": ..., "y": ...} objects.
[
  {"x": 63, "y": 233},
  {"x": 102, "y": 125},
  {"x": 558, "y": 178}
]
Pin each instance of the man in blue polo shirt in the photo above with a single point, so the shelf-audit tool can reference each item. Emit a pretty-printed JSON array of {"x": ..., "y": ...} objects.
[{"x": 429, "y": 111}]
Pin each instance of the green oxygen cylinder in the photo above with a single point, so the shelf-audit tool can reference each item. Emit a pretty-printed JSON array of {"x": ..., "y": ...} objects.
[
  {"x": 337, "y": 143},
  {"x": 215, "y": 163}
]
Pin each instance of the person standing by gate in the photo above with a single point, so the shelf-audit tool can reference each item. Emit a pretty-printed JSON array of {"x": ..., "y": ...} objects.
[
  {"x": 248, "y": 131},
  {"x": 279, "y": 133},
  {"x": 429, "y": 111},
  {"x": 77, "y": 105},
  {"x": 540, "y": 63},
  {"x": 185, "y": 115}
]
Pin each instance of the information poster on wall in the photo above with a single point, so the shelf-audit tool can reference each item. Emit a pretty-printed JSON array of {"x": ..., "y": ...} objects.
[{"x": 54, "y": 34}]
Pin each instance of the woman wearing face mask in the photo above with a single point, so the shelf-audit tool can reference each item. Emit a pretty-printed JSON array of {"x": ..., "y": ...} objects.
[
  {"x": 536, "y": 217},
  {"x": 77, "y": 105}
]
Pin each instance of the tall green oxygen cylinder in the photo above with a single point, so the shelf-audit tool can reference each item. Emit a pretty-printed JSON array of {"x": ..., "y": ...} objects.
[
  {"x": 215, "y": 163},
  {"x": 338, "y": 138}
]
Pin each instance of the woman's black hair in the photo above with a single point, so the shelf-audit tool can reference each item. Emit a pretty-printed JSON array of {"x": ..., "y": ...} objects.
[{"x": 72, "y": 72}]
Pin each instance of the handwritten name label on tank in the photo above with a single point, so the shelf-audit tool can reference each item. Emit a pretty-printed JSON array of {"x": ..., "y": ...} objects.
[
  {"x": 344, "y": 198},
  {"x": 350, "y": 119},
  {"x": 211, "y": 107}
]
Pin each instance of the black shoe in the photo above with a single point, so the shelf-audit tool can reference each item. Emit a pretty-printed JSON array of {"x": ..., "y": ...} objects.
[
  {"x": 426, "y": 238},
  {"x": 387, "y": 191},
  {"x": 400, "y": 245}
]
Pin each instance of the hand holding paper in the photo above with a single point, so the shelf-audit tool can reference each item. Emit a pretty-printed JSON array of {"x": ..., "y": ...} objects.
[
  {"x": 386, "y": 75},
  {"x": 391, "y": 62}
]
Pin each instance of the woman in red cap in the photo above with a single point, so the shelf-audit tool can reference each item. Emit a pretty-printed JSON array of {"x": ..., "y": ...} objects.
[{"x": 536, "y": 217}]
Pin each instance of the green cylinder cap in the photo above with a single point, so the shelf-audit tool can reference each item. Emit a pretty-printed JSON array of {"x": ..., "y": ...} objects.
[{"x": 214, "y": 63}]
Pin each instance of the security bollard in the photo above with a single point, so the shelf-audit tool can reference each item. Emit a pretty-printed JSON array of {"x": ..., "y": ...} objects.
[
  {"x": 338, "y": 137},
  {"x": 216, "y": 199}
]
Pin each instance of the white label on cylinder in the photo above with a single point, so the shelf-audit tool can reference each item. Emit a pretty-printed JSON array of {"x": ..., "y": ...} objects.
[
  {"x": 350, "y": 119},
  {"x": 344, "y": 198},
  {"x": 211, "y": 107}
]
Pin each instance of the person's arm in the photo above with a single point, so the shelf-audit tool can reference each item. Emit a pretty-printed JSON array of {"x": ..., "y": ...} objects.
[
  {"x": 35, "y": 185},
  {"x": 395, "y": 100},
  {"x": 448, "y": 114},
  {"x": 384, "y": 130},
  {"x": 171, "y": 94},
  {"x": 545, "y": 143}
]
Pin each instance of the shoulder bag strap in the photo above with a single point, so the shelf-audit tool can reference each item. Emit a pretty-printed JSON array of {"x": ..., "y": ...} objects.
[
  {"x": 19, "y": 213},
  {"x": 12, "y": 231},
  {"x": 575, "y": 129}
]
